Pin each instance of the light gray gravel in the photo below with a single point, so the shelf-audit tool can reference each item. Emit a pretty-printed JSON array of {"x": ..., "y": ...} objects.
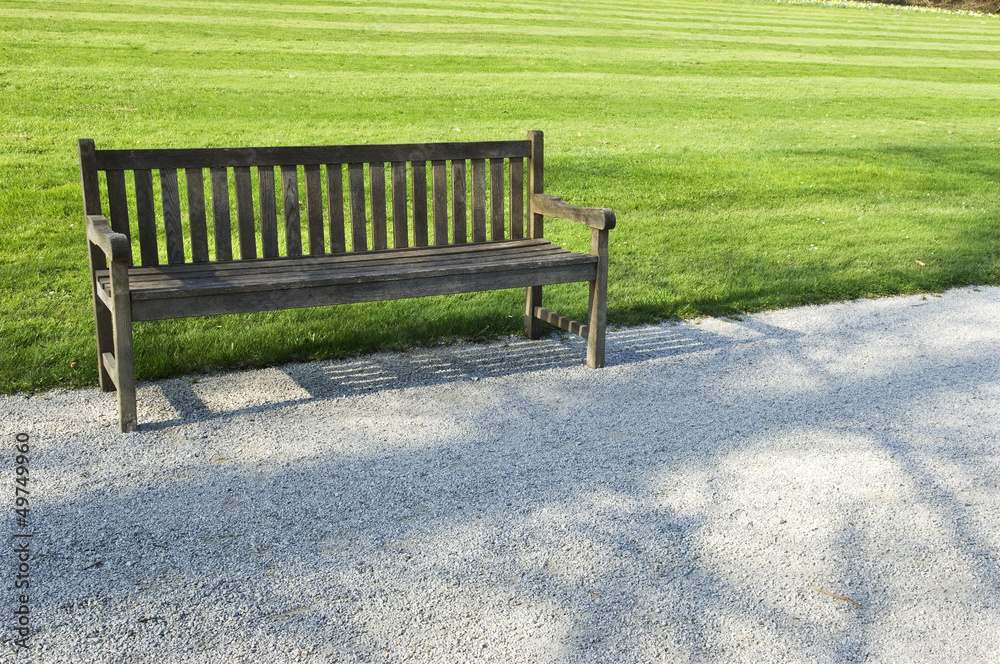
[{"x": 502, "y": 503}]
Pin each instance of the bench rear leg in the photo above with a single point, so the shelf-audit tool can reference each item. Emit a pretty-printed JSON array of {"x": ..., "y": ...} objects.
[
  {"x": 105, "y": 343},
  {"x": 102, "y": 322},
  {"x": 532, "y": 324}
]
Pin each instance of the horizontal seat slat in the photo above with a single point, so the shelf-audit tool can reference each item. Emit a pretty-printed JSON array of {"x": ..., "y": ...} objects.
[
  {"x": 306, "y": 155},
  {"x": 167, "y": 282},
  {"x": 175, "y": 283},
  {"x": 136, "y": 275},
  {"x": 408, "y": 284}
]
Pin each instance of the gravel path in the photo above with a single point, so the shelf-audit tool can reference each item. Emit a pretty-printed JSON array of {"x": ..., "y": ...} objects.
[{"x": 816, "y": 484}]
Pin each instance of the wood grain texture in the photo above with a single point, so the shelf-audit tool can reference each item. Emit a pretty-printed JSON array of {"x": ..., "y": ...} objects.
[
  {"x": 124, "y": 374},
  {"x": 103, "y": 325},
  {"x": 376, "y": 172},
  {"x": 536, "y": 182},
  {"x": 197, "y": 218},
  {"x": 314, "y": 209},
  {"x": 335, "y": 201},
  {"x": 222, "y": 222},
  {"x": 89, "y": 178},
  {"x": 439, "y": 185},
  {"x": 400, "y": 229},
  {"x": 516, "y": 198},
  {"x": 419, "y": 172},
  {"x": 118, "y": 203},
  {"x": 497, "y": 212},
  {"x": 268, "y": 212},
  {"x": 245, "y": 212},
  {"x": 459, "y": 235},
  {"x": 293, "y": 268},
  {"x": 598, "y": 301},
  {"x": 562, "y": 322},
  {"x": 114, "y": 246},
  {"x": 170, "y": 197},
  {"x": 551, "y": 206},
  {"x": 146, "y": 217},
  {"x": 290, "y": 196},
  {"x": 118, "y": 206},
  {"x": 379, "y": 281},
  {"x": 328, "y": 154},
  {"x": 478, "y": 200},
  {"x": 359, "y": 219}
]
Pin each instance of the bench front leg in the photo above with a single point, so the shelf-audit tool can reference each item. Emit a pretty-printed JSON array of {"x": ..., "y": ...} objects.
[
  {"x": 598, "y": 303},
  {"x": 123, "y": 362}
]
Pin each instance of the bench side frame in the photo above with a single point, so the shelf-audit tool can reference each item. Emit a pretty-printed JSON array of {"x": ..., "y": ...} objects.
[{"x": 111, "y": 251}]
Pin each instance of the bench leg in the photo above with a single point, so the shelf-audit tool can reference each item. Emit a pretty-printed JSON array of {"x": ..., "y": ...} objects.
[
  {"x": 598, "y": 304},
  {"x": 532, "y": 324},
  {"x": 124, "y": 362},
  {"x": 125, "y": 370},
  {"x": 105, "y": 343},
  {"x": 102, "y": 323}
]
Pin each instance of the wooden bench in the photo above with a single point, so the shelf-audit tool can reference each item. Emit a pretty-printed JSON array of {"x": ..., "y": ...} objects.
[{"x": 392, "y": 239}]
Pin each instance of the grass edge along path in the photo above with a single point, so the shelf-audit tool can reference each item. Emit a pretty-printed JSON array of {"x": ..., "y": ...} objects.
[{"x": 758, "y": 155}]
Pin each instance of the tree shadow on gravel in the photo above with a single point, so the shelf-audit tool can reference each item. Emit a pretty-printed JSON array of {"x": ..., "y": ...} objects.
[{"x": 690, "y": 516}]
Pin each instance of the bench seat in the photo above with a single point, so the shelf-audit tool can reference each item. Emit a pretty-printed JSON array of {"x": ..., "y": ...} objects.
[
  {"x": 253, "y": 229},
  {"x": 267, "y": 284}
]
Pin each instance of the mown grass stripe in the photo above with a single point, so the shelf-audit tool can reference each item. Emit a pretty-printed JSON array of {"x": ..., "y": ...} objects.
[{"x": 757, "y": 154}]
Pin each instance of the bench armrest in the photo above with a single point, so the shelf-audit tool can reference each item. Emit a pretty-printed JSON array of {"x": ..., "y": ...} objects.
[
  {"x": 114, "y": 245},
  {"x": 601, "y": 219}
]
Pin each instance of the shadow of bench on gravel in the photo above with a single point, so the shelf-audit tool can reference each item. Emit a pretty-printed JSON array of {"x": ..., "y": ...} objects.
[{"x": 260, "y": 391}]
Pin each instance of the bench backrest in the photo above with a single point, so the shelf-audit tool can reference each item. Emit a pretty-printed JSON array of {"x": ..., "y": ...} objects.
[{"x": 357, "y": 197}]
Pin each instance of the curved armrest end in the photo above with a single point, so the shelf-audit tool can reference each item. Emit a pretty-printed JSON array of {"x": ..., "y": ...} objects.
[
  {"x": 114, "y": 245},
  {"x": 553, "y": 206}
]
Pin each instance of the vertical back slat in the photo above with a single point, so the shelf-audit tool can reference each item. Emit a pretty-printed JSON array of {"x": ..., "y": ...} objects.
[
  {"x": 290, "y": 196},
  {"x": 244, "y": 212},
  {"x": 118, "y": 202},
  {"x": 458, "y": 232},
  {"x": 376, "y": 172},
  {"x": 268, "y": 212},
  {"x": 356, "y": 192},
  {"x": 400, "y": 232},
  {"x": 496, "y": 199},
  {"x": 220, "y": 215},
  {"x": 335, "y": 201},
  {"x": 478, "y": 200},
  {"x": 314, "y": 209},
  {"x": 146, "y": 217},
  {"x": 170, "y": 194},
  {"x": 196, "y": 214},
  {"x": 419, "y": 203},
  {"x": 439, "y": 186},
  {"x": 516, "y": 198}
]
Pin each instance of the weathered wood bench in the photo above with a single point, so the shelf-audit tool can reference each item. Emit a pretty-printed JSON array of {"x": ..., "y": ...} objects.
[{"x": 394, "y": 240}]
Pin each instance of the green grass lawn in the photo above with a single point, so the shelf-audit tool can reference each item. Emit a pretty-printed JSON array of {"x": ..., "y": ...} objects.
[{"x": 758, "y": 155}]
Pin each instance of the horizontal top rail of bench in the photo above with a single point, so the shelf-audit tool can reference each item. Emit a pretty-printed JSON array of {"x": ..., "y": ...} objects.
[{"x": 307, "y": 155}]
